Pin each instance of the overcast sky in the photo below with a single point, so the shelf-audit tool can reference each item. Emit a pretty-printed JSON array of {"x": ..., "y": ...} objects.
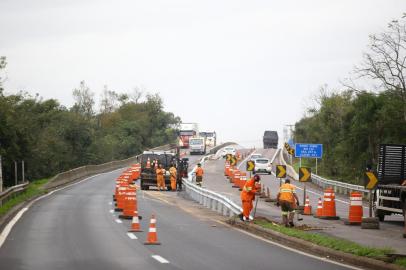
[{"x": 237, "y": 67}]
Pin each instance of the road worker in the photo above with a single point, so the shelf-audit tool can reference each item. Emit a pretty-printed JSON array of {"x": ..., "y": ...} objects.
[
  {"x": 287, "y": 200},
  {"x": 199, "y": 174},
  {"x": 248, "y": 196},
  {"x": 173, "y": 172},
  {"x": 160, "y": 177}
]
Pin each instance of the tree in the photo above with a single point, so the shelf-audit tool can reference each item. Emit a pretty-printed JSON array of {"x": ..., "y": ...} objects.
[
  {"x": 109, "y": 101},
  {"x": 386, "y": 60},
  {"x": 84, "y": 100},
  {"x": 3, "y": 65}
]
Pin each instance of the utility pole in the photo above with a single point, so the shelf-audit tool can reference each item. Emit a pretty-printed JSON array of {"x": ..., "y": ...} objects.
[
  {"x": 15, "y": 173},
  {"x": 1, "y": 176},
  {"x": 23, "y": 168}
]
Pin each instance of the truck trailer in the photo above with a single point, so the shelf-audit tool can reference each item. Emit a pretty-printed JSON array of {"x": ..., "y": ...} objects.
[{"x": 270, "y": 139}]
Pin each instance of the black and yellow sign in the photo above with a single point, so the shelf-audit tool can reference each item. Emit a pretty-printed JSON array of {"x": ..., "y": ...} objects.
[
  {"x": 371, "y": 180},
  {"x": 280, "y": 171},
  {"x": 305, "y": 174},
  {"x": 233, "y": 161},
  {"x": 250, "y": 165},
  {"x": 228, "y": 157},
  {"x": 290, "y": 150}
]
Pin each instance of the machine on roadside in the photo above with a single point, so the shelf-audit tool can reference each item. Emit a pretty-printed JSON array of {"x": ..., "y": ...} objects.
[
  {"x": 211, "y": 138},
  {"x": 187, "y": 131},
  {"x": 390, "y": 194}
]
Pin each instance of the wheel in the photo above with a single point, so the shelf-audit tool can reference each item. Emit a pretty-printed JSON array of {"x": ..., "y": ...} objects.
[{"x": 380, "y": 214}]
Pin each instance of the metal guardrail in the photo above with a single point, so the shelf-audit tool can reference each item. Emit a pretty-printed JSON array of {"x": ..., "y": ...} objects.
[
  {"x": 210, "y": 199},
  {"x": 339, "y": 187},
  {"x": 6, "y": 194}
]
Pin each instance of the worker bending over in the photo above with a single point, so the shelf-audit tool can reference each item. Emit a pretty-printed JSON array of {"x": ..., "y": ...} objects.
[
  {"x": 160, "y": 177},
  {"x": 173, "y": 172},
  {"x": 287, "y": 200},
  {"x": 199, "y": 174},
  {"x": 248, "y": 196}
]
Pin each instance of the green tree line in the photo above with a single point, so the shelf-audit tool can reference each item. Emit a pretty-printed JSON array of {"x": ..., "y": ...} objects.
[
  {"x": 353, "y": 122},
  {"x": 51, "y": 138}
]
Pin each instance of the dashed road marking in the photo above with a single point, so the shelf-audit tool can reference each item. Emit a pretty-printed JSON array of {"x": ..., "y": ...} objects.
[
  {"x": 160, "y": 259},
  {"x": 132, "y": 236},
  {"x": 119, "y": 221},
  {"x": 110, "y": 203},
  {"x": 112, "y": 211}
]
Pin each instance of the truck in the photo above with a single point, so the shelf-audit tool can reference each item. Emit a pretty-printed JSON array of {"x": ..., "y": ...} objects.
[
  {"x": 390, "y": 193},
  {"x": 148, "y": 175},
  {"x": 197, "y": 145},
  {"x": 211, "y": 138},
  {"x": 186, "y": 131},
  {"x": 270, "y": 139}
]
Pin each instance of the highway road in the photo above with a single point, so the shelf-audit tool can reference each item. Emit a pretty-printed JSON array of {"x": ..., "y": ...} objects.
[
  {"x": 389, "y": 234},
  {"x": 75, "y": 228}
]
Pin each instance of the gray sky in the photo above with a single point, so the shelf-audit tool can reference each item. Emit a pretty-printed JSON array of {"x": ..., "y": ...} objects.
[{"x": 237, "y": 67}]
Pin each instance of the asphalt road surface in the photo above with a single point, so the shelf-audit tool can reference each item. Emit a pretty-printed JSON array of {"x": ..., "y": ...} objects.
[{"x": 75, "y": 228}]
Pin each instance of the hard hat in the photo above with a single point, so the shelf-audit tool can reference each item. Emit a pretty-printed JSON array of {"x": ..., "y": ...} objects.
[
  {"x": 257, "y": 177},
  {"x": 198, "y": 164}
]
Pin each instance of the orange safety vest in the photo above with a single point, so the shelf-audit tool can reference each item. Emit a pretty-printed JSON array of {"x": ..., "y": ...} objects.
[
  {"x": 160, "y": 172},
  {"x": 173, "y": 172},
  {"x": 249, "y": 190},
  {"x": 199, "y": 171},
  {"x": 286, "y": 192}
]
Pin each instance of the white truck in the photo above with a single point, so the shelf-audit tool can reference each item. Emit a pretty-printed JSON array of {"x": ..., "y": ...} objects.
[{"x": 197, "y": 145}]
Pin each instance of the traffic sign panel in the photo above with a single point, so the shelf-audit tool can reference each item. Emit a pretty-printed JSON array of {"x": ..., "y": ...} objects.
[
  {"x": 280, "y": 171},
  {"x": 305, "y": 150},
  {"x": 228, "y": 157},
  {"x": 233, "y": 161},
  {"x": 305, "y": 174},
  {"x": 250, "y": 165},
  {"x": 371, "y": 180}
]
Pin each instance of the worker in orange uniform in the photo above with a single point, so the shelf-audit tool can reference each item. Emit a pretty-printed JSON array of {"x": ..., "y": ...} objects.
[
  {"x": 286, "y": 200},
  {"x": 199, "y": 174},
  {"x": 160, "y": 177},
  {"x": 248, "y": 196},
  {"x": 173, "y": 172}
]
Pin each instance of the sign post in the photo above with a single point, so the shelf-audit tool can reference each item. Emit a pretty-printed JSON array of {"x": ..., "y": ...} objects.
[
  {"x": 305, "y": 175},
  {"x": 370, "y": 182}
]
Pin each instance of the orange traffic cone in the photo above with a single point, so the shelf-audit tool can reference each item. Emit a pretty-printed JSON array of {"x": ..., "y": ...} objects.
[
  {"x": 152, "y": 238},
  {"x": 307, "y": 207},
  {"x": 319, "y": 211},
  {"x": 329, "y": 205},
  {"x": 356, "y": 211},
  {"x": 148, "y": 166},
  {"x": 135, "y": 224}
]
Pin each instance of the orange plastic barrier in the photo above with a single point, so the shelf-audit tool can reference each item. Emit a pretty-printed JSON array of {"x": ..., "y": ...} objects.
[
  {"x": 329, "y": 205},
  {"x": 226, "y": 169},
  {"x": 355, "y": 212},
  {"x": 236, "y": 178},
  {"x": 130, "y": 203}
]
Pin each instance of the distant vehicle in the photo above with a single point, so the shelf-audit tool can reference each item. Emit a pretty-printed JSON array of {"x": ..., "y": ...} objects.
[
  {"x": 197, "y": 145},
  {"x": 228, "y": 150},
  {"x": 148, "y": 175},
  {"x": 255, "y": 156},
  {"x": 390, "y": 195},
  {"x": 186, "y": 131},
  {"x": 270, "y": 139},
  {"x": 211, "y": 138},
  {"x": 263, "y": 165}
]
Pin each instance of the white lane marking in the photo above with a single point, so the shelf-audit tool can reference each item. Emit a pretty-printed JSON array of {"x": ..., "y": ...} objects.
[
  {"x": 110, "y": 203},
  {"x": 298, "y": 251},
  {"x": 160, "y": 259},
  {"x": 10, "y": 225},
  {"x": 119, "y": 221},
  {"x": 112, "y": 211},
  {"x": 132, "y": 236}
]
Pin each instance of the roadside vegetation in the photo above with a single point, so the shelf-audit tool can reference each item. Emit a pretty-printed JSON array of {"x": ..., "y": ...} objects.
[
  {"x": 351, "y": 122},
  {"x": 328, "y": 241},
  {"x": 52, "y": 138},
  {"x": 34, "y": 189}
]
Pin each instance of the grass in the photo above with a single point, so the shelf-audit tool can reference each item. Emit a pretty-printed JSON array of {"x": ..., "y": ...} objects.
[
  {"x": 33, "y": 189},
  {"x": 329, "y": 241},
  {"x": 401, "y": 262}
]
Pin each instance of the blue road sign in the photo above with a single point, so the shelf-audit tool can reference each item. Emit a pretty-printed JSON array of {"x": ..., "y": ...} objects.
[{"x": 305, "y": 150}]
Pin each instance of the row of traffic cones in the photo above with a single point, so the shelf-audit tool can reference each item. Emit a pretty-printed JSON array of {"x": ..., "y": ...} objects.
[
  {"x": 326, "y": 209},
  {"x": 126, "y": 202}
]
